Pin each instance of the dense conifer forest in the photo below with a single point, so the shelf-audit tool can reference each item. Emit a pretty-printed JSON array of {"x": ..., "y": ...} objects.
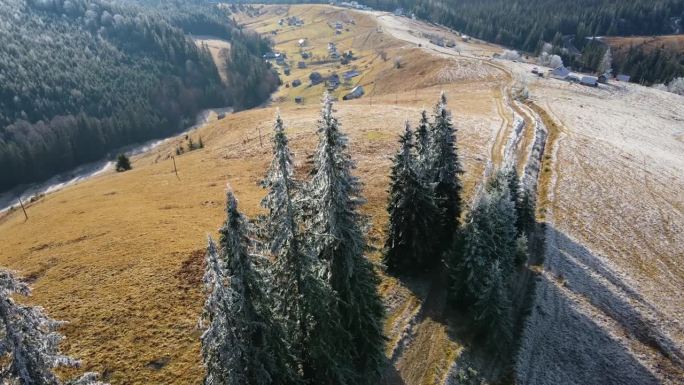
[{"x": 79, "y": 78}]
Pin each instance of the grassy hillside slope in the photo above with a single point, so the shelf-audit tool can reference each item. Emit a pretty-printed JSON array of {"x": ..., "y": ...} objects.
[{"x": 119, "y": 256}]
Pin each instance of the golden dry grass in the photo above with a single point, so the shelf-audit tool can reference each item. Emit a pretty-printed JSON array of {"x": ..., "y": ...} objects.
[
  {"x": 546, "y": 173},
  {"x": 674, "y": 43},
  {"x": 119, "y": 256}
]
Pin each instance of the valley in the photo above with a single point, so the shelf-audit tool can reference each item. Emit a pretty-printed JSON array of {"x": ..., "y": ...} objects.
[{"x": 119, "y": 256}]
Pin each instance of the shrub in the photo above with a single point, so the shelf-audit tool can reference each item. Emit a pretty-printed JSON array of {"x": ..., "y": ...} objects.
[{"x": 123, "y": 163}]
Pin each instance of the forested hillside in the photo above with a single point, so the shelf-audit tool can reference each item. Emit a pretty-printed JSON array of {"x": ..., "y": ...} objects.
[
  {"x": 649, "y": 59},
  {"x": 79, "y": 78}
]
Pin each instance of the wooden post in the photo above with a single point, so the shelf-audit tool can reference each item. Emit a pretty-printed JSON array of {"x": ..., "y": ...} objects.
[
  {"x": 261, "y": 143},
  {"x": 175, "y": 170},
  {"x": 23, "y": 209}
]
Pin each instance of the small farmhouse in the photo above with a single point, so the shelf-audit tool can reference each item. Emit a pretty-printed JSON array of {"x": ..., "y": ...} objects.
[
  {"x": 356, "y": 93},
  {"x": 350, "y": 74},
  {"x": 560, "y": 72},
  {"x": 591, "y": 81},
  {"x": 271, "y": 55}
]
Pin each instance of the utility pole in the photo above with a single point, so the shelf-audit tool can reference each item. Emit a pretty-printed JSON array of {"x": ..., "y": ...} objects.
[
  {"x": 175, "y": 170},
  {"x": 261, "y": 143},
  {"x": 23, "y": 209}
]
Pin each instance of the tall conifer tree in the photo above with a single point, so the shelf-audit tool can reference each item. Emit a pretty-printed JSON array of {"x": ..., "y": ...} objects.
[
  {"x": 409, "y": 247},
  {"x": 335, "y": 222},
  {"x": 492, "y": 309},
  {"x": 29, "y": 341},
  {"x": 466, "y": 267},
  {"x": 422, "y": 145},
  {"x": 526, "y": 212},
  {"x": 242, "y": 344},
  {"x": 446, "y": 169},
  {"x": 306, "y": 303}
]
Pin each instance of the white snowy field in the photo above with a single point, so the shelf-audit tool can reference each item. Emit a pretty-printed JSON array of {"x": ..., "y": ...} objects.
[{"x": 609, "y": 304}]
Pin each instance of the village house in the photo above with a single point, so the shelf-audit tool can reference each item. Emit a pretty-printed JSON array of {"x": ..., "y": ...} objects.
[
  {"x": 356, "y": 93},
  {"x": 622, "y": 78},
  {"x": 560, "y": 72},
  {"x": 591, "y": 81},
  {"x": 350, "y": 74}
]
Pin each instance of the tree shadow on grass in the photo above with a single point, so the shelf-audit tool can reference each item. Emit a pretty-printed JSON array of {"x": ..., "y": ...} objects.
[
  {"x": 562, "y": 337},
  {"x": 580, "y": 308},
  {"x": 562, "y": 342}
]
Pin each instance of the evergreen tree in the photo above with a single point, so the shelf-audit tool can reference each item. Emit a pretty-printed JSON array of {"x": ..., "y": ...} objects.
[
  {"x": 305, "y": 302},
  {"x": 489, "y": 236},
  {"x": 526, "y": 212},
  {"x": 513, "y": 184},
  {"x": 492, "y": 310},
  {"x": 521, "y": 251},
  {"x": 423, "y": 165},
  {"x": 334, "y": 219},
  {"x": 243, "y": 344},
  {"x": 466, "y": 266},
  {"x": 123, "y": 163},
  {"x": 606, "y": 64},
  {"x": 446, "y": 170},
  {"x": 409, "y": 247},
  {"x": 29, "y": 341},
  {"x": 501, "y": 219}
]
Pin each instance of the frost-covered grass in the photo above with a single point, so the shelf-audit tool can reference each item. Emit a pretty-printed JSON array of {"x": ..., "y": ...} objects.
[{"x": 609, "y": 305}]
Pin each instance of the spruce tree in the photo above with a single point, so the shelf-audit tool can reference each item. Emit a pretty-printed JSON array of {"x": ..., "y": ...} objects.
[
  {"x": 334, "y": 196},
  {"x": 521, "y": 251},
  {"x": 409, "y": 247},
  {"x": 445, "y": 171},
  {"x": 526, "y": 212},
  {"x": 422, "y": 145},
  {"x": 29, "y": 341},
  {"x": 513, "y": 182},
  {"x": 492, "y": 310},
  {"x": 243, "y": 344},
  {"x": 501, "y": 231},
  {"x": 305, "y": 302},
  {"x": 516, "y": 193},
  {"x": 466, "y": 266},
  {"x": 489, "y": 236}
]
